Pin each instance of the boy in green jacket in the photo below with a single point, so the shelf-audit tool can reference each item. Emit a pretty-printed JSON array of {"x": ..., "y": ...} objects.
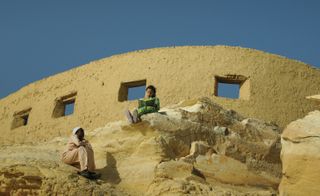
[{"x": 149, "y": 104}]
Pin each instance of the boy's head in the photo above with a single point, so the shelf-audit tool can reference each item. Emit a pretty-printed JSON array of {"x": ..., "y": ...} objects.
[
  {"x": 150, "y": 91},
  {"x": 79, "y": 132}
]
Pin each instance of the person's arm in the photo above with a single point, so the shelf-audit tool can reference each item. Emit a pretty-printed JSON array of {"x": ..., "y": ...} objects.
[
  {"x": 83, "y": 143},
  {"x": 155, "y": 107},
  {"x": 75, "y": 140},
  {"x": 73, "y": 143},
  {"x": 157, "y": 104}
]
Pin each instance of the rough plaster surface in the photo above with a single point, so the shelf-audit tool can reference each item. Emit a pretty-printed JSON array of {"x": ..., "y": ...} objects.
[{"x": 276, "y": 91}]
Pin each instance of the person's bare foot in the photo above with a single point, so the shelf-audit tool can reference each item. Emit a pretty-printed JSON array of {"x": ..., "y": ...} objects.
[
  {"x": 135, "y": 117},
  {"x": 129, "y": 116}
]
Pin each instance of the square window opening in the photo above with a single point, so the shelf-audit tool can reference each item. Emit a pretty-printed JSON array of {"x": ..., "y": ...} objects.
[
  {"x": 136, "y": 92},
  {"x": 69, "y": 108},
  {"x": 232, "y": 86},
  {"x": 25, "y": 119},
  {"x": 132, "y": 90},
  {"x": 64, "y": 106},
  {"x": 20, "y": 118},
  {"x": 228, "y": 90}
]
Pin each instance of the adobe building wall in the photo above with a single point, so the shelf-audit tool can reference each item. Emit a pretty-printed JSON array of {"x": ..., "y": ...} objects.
[{"x": 273, "y": 88}]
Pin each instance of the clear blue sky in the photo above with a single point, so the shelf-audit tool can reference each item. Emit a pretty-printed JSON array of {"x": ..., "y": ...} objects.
[{"x": 39, "y": 38}]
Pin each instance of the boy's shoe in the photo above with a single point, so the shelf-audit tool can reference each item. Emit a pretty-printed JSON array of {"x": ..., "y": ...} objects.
[
  {"x": 90, "y": 175},
  {"x": 85, "y": 173},
  {"x": 95, "y": 175},
  {"x": 129, "y": 116}
]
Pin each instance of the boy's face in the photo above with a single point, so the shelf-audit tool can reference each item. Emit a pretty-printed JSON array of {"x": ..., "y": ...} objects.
[
  {"x": 80, "y": 134},
  {"x": 149, "y": 93}
]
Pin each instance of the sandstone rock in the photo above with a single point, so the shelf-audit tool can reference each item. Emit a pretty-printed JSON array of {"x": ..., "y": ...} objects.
[
  {"x": 165, "y": 154},
  {"x": 37, "y": 170},
  {"x": 228, "y": 170},
  {"x": 181, "y": 178},
  {"x": 300, "y": 156},
  {"x": 197, "y": 148},
  {"x": 314, "y": 97}
]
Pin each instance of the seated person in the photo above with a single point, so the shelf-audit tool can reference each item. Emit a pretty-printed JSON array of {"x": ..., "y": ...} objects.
[
  {"x": 79, "y": 152},
  {"x": 149, "y": 104}
]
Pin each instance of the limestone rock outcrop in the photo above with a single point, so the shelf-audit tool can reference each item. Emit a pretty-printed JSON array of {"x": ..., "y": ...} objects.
[
  {"x": 300, "y": 156},
  {"x": 195, "y": 147}
]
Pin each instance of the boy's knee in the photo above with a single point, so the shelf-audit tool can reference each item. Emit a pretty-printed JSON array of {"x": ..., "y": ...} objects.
[{"x": 82, "y": 149}]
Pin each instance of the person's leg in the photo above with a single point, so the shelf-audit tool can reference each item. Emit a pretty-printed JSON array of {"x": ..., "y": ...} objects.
[
  {"x": 71, "y": 158},
  {"x": 91, "y": 163},
  {"x": 90, "y": 154},
  {"x": 77, "y": 157},
  {"x": 129, "y": 116},
  {"x": 135, "y": 116},
  {"x": 83, "y": 158},
  {"x": 84, "y": 163}
]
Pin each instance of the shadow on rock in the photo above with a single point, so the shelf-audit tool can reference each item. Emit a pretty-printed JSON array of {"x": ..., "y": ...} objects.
[{"x": 110, "y": 173}]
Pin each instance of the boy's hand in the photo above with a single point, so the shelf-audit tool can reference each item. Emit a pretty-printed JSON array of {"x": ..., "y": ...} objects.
[{"x": 83, "y": 143}]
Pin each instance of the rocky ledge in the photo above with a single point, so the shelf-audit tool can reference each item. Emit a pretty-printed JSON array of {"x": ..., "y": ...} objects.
[{"x": 195, "y": 147}]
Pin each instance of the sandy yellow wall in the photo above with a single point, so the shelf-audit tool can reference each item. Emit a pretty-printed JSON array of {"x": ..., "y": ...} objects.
[{"x": 278, "y": 87}]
